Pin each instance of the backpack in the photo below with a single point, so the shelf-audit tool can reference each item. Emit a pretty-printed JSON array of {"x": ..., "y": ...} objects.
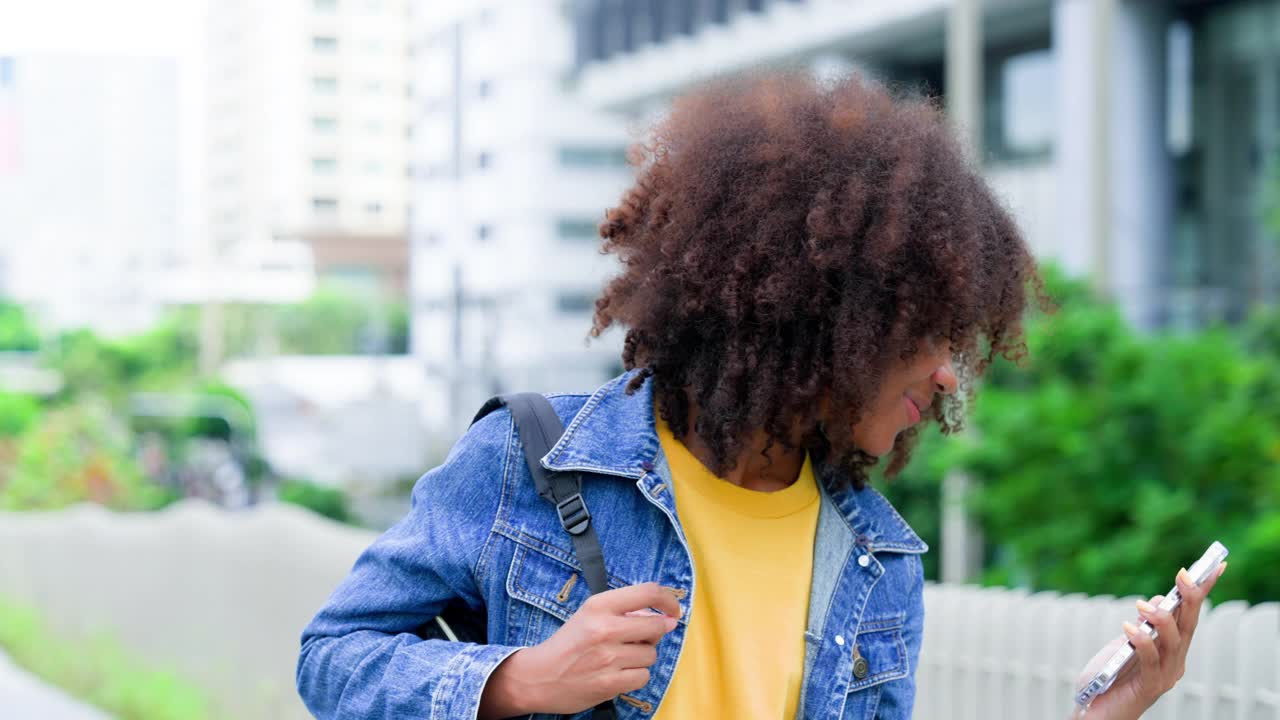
[{"x": 540, "y": 428}]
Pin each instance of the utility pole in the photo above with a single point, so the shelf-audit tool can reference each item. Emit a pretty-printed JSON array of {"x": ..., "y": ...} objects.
[{"x": 961, "y": 537}]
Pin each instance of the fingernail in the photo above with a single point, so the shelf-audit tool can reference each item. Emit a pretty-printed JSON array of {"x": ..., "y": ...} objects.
[
  {"x": 671, "y": 624},
  {"x": 1221, "y": 569},
  {"x": 1147, "y": 608},
  {"x": 1184, "y": 578},
  {"x": 1129, "y": 628}
]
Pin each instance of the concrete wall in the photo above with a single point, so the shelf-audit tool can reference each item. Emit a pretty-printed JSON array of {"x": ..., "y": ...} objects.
[
  {"x": 219, "y": 597},
  {"x": 222, "y": 598}
]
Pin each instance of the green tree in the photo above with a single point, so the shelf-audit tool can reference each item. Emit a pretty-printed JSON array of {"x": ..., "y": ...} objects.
[
  {"x": 17, "y": 332},
  {"x": 330, "y": 322},
  {"x": 162, "y": 357},
  {"x": 1111, "y": 458}
]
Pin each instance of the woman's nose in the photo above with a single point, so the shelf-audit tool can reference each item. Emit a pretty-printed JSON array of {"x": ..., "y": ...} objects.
[{"x": 944, "y": 379}]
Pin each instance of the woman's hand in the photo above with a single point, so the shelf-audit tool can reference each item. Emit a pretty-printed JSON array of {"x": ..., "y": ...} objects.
[
  {"x": 604, "y": 649},
  {"x": 1160, "y": 663}
]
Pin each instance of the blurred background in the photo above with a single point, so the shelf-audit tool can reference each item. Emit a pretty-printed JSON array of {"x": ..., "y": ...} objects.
[{"x": 261, "y": 261}]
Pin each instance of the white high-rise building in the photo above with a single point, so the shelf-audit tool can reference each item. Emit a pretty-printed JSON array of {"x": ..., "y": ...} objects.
[
  {"x": 307, "y": 130},
  {"x": 511, "y": 177},
  {"x": 88, "y": 187}
]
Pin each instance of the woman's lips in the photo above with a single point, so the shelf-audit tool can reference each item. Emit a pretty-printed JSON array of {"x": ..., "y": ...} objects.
[{"x": 913, "y": 412}]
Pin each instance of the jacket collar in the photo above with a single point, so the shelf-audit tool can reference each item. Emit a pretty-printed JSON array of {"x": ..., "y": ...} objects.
[{"x": 614, "y": 434}]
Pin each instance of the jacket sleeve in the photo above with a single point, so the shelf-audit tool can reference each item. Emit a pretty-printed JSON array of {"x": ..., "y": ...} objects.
[
  {"x": 360, "y": 655},
  {"x": 899, "y": 696}
]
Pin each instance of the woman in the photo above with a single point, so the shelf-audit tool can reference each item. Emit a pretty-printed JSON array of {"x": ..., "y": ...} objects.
[{"x": 808, "y": 271}]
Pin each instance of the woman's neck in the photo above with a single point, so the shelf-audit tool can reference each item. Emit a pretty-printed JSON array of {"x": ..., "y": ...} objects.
[{"x": 754, "y": 470}]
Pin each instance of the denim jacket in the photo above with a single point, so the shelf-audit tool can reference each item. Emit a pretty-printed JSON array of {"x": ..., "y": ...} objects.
[{"x": 478, "y": 535}]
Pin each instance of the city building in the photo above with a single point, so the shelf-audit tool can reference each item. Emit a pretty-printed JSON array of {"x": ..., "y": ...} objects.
[
  {"x": 307, "y": 136},
  {"x": 1133, "y": 139},
  {"x": 511, "y": 178},
  {"x": 89, "y": 202}
]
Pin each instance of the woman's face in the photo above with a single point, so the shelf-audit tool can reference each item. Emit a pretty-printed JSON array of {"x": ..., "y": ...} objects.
[{"x": 905, "y": 396}]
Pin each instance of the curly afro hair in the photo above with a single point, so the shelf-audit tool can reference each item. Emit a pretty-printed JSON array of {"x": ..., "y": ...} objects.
[{"x": 787, "y": 239}]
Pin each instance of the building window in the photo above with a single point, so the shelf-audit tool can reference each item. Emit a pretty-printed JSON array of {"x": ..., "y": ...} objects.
[
  {"x": 593, "y": 157},
  {"x": 577, "y": 229},
  {"x": 324, "y": 123},
  {"x": 324, "y": 165},
  {"x": 1021, "y": 95},
  {"x": 325, "y": 84},
  {"x": 484, "y": 88},
  {"x": 324, "y": 44},
  {"x": 325, "y": 5},
  {"x": 575, "y": 302},
  {"x": 372, "y": 167},
  {"x": 373, "y": 208},
  {"x": 371, "y": 87},
  {"x": 484, "y": 160},
  {"x": 484, "y": 233},
  {"x": 373, "y": 126},
  {"x": 324, "y": 205}
]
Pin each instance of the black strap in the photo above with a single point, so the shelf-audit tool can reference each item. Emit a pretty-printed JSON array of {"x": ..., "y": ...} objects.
[{"x": 540, "y": 428}]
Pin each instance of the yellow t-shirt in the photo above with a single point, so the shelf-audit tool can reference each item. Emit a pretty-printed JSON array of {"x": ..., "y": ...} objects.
[{"x": 743, "y": 653}]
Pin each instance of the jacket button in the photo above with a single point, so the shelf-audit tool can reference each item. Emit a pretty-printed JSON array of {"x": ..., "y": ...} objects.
[
  {"x": 863, "y": 560},
  {"x": 860, "y": 668}
]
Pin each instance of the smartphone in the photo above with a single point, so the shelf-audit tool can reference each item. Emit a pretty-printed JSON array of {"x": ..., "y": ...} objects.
[{"x": 1199, "y": 571}]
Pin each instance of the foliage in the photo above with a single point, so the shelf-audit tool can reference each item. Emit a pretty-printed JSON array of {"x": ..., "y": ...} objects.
[
  {"x": 398, "y": 327},
  {"x": 1111, "y": 458},
  {"x": 216, "y": 427},
  {"x": 97, "y": 671},
  {"x": 18, "y": 412},
  {"x": 17, "y": 332},
  {"x": 91, "y": 365},
  {"x": 335, "y": 320},
  {"x": 326, "y": 501},
  {"x": 916, "y": 493},
  {"x": 330, "y": 322},
  {"x": 77, "y": 454}
]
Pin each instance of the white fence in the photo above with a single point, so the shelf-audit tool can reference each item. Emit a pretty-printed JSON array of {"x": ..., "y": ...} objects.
[
  {"x": 994, "y": 654},
  {"x": 222, "y": 598}
]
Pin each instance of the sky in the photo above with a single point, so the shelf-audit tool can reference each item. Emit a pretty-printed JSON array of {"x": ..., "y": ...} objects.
[
  {"x": 147, "y": 28},
  {"x": 127, "y": 27}
]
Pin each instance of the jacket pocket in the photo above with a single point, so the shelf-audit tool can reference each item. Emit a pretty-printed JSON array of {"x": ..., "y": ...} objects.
[
  {"x": 549, "y": 583},
  {"x": 880, "y": 653}
]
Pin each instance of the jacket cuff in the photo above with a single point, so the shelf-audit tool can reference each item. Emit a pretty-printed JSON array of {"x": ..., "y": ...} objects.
[{"x": 457, "y": 696}]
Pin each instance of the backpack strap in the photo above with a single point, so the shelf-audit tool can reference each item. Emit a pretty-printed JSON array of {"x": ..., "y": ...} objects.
[{"x": 540, "y": 428}]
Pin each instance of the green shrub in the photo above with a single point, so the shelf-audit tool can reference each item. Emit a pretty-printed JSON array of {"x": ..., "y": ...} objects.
[
  {"x": 329, "y": 502},
  {"x": 97, "y": 671},
  {"x": 17, "y": 332},
  {"x": 161, "y": 358},
  {"x": 77, "y": 454},
  {"x": 1112, "y": 458},
  {"x": 17, "y": 413}
]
